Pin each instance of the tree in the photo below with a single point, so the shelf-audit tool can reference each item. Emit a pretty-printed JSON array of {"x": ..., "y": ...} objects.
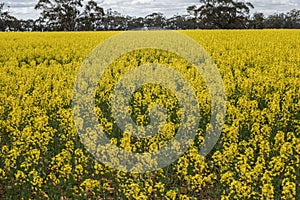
[
  {"x": 181, "y": 22},
  {"x": 276, "y": 21},
  {"x": 90, "y": 18},
  {"x": 223, "y": 14},
  {"x": 155, "y": 20},
  {"x": 60, "y": 15},
  {"x": 293, "y": 19},
  {"x": 26, "y": 25},
  {"x": 7, "y": 22},
  {"x": 135, "y": 23},
  {"x": 284, "y": 20},
  {"x": 193, "y": 13},
  {"x": 114, "y": 20},
  {"x": 258, "y": 21},
  {"x": 175, "y": 22}
]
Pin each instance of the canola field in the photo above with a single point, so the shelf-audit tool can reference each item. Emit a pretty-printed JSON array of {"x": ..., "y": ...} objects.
[{"x": 256, "y": 157}]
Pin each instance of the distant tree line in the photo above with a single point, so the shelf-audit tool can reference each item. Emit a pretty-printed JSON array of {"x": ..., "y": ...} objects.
[{"x": 75, "y": 15}]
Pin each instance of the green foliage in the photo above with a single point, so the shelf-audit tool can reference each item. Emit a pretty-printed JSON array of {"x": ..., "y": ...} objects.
[{"x": 222, "y": 14}]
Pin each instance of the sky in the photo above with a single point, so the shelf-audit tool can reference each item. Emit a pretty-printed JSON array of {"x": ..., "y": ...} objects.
[{"x": 24, "y": 9}]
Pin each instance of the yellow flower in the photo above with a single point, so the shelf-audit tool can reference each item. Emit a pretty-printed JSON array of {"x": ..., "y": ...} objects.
[
  {"x": 171, "y": 194},
  {"x": 160, "y": 187},
  {"x": 268, "y": 191},
  {"x": 20, "y": 175}
]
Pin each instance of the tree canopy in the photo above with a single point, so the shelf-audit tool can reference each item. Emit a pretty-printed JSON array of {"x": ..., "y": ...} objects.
[
  {"x": 7, "y": 21},
  {"x": 61, "y": 15},
  {"x": 80, "y": 15},
  {"x": 222, "y": 14}
]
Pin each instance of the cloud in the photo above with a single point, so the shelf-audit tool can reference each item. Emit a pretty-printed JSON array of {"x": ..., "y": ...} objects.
[
  {"x": 21, "y": 4},
  {"x": 25, "y": 8},
  {"x": 140, "y": 2},
  {"x": 269, "y": 7},
  {"x": 144, "y": 7}
]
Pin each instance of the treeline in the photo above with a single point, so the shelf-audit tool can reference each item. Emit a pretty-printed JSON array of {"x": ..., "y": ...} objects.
[{"x": 74, "y": 15}]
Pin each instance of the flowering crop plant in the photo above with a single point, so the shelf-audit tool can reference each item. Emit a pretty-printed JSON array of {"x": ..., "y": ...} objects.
[{"x": 176, "y": 122}]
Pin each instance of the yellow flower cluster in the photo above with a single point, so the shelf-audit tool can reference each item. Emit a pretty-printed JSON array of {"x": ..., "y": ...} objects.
[{"x": 257, "y": 156}]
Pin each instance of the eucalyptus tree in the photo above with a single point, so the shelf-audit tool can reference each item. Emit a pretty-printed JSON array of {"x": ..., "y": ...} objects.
[{"x": 223, "y": 14}]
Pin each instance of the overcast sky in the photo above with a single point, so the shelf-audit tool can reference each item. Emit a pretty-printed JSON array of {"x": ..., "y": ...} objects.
[{"x": 25, "y": 8}]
